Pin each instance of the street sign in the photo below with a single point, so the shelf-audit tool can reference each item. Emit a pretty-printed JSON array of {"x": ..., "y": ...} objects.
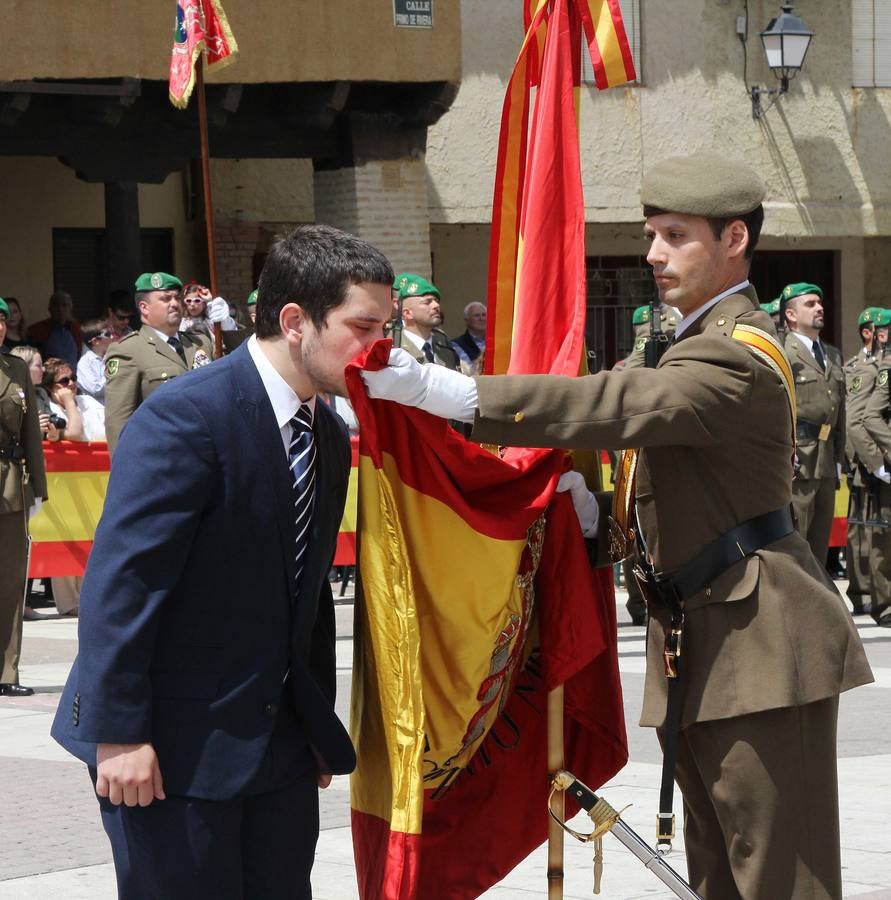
[{"x": 413, "y": 13}]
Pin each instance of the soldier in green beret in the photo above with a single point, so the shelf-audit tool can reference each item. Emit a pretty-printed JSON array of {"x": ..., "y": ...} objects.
[
  {"x": 145, "y": 359},
  {"x": 421, "y": 318},
  {"x": 252, "y": 305},
  {"x": 863, "y": 454},
  {"x": 642, "y": 324},
  {"x": 773, "y": 310},
  {"x": 712, "y": 435},
  {"x": 818, "y": 369},
  {"x": 875, "y": 421},
  {"x": 22, "y": 482}
]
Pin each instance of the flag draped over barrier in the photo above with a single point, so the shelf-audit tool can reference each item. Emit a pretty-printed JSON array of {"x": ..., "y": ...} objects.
[
  {"x": 476, "y": 596},
  {"x": 200, "y": 25}
]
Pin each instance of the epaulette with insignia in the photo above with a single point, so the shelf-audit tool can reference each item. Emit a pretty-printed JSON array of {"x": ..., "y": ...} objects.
[{"x": 126, "y": 337}]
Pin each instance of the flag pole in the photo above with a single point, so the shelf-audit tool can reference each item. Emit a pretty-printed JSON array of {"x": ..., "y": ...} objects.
[
  {"x": 208, "y": 200},
  {"x": 555, "y": 764}
]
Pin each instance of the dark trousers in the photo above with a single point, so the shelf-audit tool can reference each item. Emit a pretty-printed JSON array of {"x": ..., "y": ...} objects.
[
  {"x": 761, "y": 804},
  {"x": 257, "y": 846}
]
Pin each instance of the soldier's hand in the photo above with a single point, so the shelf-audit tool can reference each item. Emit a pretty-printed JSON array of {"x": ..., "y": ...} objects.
[
  {"x": 583, "y": 500},
  {"x": 129, "y": 774},
  {"x": 218, "y": 311}
]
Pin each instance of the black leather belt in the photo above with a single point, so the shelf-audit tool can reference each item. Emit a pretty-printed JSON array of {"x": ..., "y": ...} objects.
[
  {"x": 720, "y": 554},
  {"x": 807, "y": 431}
]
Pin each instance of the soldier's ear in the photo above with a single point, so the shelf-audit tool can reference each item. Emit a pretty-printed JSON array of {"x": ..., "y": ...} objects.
[
  {"x": 292, "y": 320},
  {"x": 737, "y": 235}
]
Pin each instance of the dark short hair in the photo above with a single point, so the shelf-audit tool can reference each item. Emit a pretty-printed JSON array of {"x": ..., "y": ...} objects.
[
  {"x": 52, "y": 367},
  {"x": 314, "y": 266},
  {"x": 753, "y": 222},
  {"x": 91, "y": 329}
]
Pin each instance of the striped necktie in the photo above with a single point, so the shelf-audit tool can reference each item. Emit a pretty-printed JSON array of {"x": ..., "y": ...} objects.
[{"x": 302, "y": 458}]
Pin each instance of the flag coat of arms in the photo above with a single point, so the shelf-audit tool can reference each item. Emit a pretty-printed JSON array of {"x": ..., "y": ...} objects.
[{"x": 201, "y": 25}]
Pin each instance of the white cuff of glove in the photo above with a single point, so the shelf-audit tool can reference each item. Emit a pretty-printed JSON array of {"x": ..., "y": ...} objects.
[
  {"x": 583, "y": 500},
  {"x": 883, "y": 474},
  {"x": 218, "y": 311},
  {"x": 35, "y": 508},
  {"x": 434, "y": 389}
]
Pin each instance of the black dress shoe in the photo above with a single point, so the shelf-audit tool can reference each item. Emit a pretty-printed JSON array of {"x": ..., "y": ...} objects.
[
  {"x": 884, "y": 622},
  {"x": 15, "y": 690}
]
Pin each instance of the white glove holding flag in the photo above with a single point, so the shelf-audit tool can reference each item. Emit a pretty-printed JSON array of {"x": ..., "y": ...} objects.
[
  {"x": 586, "y": 507},
  {"x": 883, "y": 474},
  {"x": 435, "y": 389},
  {"x": 218, "y": 311}
]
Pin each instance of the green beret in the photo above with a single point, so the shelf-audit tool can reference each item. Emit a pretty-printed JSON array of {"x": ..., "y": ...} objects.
[
  {"x": 704, "y": 184},
  {"x": 252, "y": 298},
  {"x": 4, "y": 308},
  {"x": 641, "y": 315},
  {"x": 883, "y": 317},
  {"x": 157, "y": 281},
  {"x": 870, "y": 316},
  {"x": 408, "y": 284},
  {"x": 799, "y": 289},
  {"x": 772, "y": 308}
]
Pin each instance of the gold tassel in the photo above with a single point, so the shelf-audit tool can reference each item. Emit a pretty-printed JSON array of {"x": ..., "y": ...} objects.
[{"x": 598, "y": 863}]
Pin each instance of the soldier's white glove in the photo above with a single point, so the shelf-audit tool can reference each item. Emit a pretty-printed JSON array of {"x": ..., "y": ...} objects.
[
  {"x": 883, "y": 474},
  {"x": 583, "y": 500},
  {"x": 35, "y": 507},
  {"x": 218, "y": 311},
  {"x": 435, "y": 389}
]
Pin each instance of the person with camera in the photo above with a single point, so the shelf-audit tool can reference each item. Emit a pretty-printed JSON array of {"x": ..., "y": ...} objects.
[{"x": 22, "y": 482}]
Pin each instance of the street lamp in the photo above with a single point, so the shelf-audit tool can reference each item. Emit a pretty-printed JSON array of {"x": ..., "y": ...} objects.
[{"x": 785, "y": 40}]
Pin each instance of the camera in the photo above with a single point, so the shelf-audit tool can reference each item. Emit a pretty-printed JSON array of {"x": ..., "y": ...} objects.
[{"x": 57, "y": 421}]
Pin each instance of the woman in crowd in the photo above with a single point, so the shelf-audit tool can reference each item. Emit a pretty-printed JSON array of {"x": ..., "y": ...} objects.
[
  {"x": 15, "y": 325},
  {"x": 84, "y": 415}
]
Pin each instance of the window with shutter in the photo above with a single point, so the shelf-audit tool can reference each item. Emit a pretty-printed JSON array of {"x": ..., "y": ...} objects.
[
  {"x": 631, "y": 18},
  {"x": 871, "y": 43}
]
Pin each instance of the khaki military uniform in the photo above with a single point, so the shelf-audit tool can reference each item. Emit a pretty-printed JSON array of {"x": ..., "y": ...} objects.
[
  {"x": 443, "y": 351},
  {"x": 138, "y": 364},
  {"x": 864, "y": 457},
  {"x": 875, "y": 421},
  {"x": 820, "y": 430},
  {"x": 768, "y": 645},
  {"x": 637, "y": 359},
  {"x": 21, "y": 481}
]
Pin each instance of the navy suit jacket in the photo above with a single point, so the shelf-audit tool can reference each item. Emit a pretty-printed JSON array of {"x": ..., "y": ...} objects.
[{"x": 188, "y": 623}]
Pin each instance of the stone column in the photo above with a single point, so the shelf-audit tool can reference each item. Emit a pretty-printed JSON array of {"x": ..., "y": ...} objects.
[{"x": 122, "y": 244}]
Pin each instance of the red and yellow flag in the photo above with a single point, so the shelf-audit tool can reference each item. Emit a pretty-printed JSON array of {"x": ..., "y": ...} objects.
[
  {"x": 200, "y": 25},
  {"x": 524, "y": 212}
]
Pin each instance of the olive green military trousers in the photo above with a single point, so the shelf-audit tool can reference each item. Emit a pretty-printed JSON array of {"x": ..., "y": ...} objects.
[
  {"x": 857, "y": 563},
  {"x": 761, "y": 804},
  {"x": 813, "y": 500},
  {"x": 13, "y": 577},
  {"x": 880, "y": 560}
]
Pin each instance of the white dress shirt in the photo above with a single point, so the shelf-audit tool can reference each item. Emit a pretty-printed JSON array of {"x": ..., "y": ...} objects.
[
  {"x": 807, "y": 343},
  {"x": 91, "y": 375},
  {"x": 282, "y": 396}
]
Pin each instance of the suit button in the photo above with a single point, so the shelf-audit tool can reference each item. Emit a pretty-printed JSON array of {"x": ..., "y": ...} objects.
[
  {"x": 270, "y": 709},
  {"x": 518, "y": 417}
]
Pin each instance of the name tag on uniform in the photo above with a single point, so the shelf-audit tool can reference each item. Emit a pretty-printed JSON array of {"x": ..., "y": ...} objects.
[{"x": 825, "y": 429}]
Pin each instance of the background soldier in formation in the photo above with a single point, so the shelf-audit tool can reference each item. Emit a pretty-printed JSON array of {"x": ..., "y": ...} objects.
[
  {"x": 820, "y": 425},
  {"x": 864, "y": 455},
  {"x": 642, "y": 322},
  {"x": 142, "y": 361}
]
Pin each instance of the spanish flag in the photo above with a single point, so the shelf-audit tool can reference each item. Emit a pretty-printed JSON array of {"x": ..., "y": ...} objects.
[{"x": 475, "y": 598}]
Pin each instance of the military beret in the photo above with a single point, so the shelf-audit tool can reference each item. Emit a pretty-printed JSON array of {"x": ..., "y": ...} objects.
[
  {"x": 4, "y": 308},
  {"x": 870, "y": 316},
  {"x": 883, "y": 317},
  {"x": 408, "y": 284},
  {"x": 704, "y": 184},
  {"x": 799, "y": 289},
  {"x": 252, "y": 298},
  {"x": 157, "y": 281},
  {"x": 641, "y": 315},
  {"x": 772, "y": 308}
]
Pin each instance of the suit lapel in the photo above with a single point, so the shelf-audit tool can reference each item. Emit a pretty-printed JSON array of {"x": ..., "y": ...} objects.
[
  {"x": 161, "y": 347},
  {"x": 805, "y": 356}
]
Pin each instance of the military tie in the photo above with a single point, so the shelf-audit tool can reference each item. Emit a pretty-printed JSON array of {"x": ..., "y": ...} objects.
[
  {"x": 177, "y": 345},
  {"x": 302, "y": 456},
  {"x": 428, "y": 351},
  {"x": 818, "y": 355}
]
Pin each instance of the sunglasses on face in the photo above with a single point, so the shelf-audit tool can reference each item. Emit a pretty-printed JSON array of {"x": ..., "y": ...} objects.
[
  {"x": 102, "y": 334},
  {"x": 65, "y": 380}
]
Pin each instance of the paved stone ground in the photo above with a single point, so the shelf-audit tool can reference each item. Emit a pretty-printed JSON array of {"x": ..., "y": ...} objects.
[{"x": 53, "y": 845}]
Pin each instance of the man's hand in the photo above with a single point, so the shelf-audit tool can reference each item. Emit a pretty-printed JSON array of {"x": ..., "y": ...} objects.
[
  {"x": 435, "y": 389},
  {"x": 129, "y": 774},
  {"x": 583, "y": 500},
  {"x": 324, "y": 779},
  {"x": 218, "y": 311}
]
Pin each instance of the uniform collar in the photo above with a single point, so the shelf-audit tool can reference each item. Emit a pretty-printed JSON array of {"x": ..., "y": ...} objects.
[{"x": 688, "y": 320}]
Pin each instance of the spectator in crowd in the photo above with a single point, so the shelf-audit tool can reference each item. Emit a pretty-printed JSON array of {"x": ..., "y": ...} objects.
[
  {"x": 471, "y": 346},
  {"x": 421, "y": 317},
  {"x": 201, "y": 311},
  {"x": 15, "y": 325},
  {"x": 91, "y": 366},
  {"x": 22, "y": 486},
  {"x": 34, "y": 362},
  {"x": 119, "y": 313},
  {"x": 84, "y": 415},
  {"x": 142, "y": 361},
  {"x": 59, "y": 335}
]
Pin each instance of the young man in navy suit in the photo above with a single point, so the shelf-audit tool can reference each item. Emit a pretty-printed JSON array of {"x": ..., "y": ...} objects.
[{"x": 202, "y": 698}]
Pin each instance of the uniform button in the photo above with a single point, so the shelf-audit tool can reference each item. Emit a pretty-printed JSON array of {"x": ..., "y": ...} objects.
[
  {"x": 270, "y": 709},
  {"x": 518, "y": 417},
  {"x": 721, "y": 321},
  {"x": 163, "y": 374}
]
